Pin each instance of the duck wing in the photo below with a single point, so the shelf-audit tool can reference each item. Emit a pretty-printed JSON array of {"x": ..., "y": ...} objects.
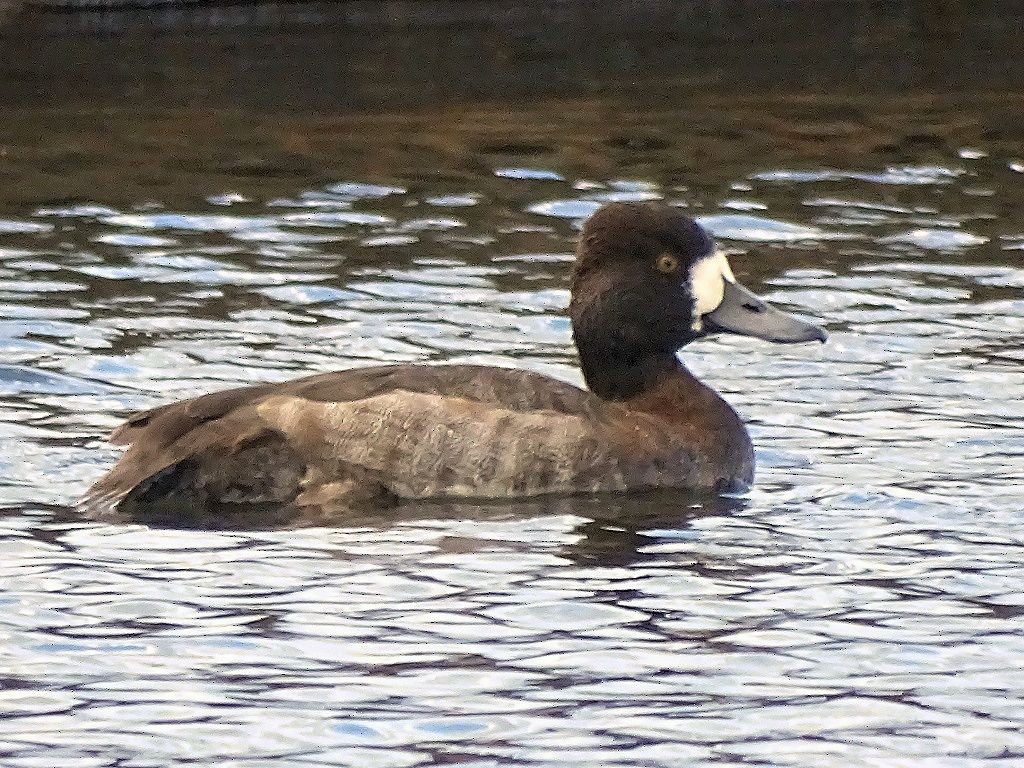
[
  {"x": 511, "y": 388},
  {"x": 410, "y": 431}
]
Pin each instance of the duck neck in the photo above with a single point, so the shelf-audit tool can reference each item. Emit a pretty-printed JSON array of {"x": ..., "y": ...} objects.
[{"x": 615, "y": 377}]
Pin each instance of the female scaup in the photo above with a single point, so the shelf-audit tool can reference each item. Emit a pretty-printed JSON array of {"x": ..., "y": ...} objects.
[{"x": 647, "y": 280}]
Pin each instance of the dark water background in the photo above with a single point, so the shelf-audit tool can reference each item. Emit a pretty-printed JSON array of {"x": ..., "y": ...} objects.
[{"x": 193, "y": 201}]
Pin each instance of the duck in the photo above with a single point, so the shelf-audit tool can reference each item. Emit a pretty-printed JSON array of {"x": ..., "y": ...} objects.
[{"x": 646, "y": 281}]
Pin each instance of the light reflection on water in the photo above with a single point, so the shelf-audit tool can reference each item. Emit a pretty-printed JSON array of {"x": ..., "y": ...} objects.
[{"x": 861, "y": 606}]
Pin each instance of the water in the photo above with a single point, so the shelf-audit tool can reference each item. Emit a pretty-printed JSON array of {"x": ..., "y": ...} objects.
[{"x": 861, "y": 606}]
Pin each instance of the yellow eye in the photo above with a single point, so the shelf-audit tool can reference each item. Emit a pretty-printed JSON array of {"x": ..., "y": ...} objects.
[{"x": 667, "y": 263}]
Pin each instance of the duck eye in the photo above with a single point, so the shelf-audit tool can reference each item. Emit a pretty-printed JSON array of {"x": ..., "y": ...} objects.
[{"x": 667, "y": 263}]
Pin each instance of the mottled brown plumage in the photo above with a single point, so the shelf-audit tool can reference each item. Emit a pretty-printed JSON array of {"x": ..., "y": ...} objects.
[{"x": 369, "y": 436}]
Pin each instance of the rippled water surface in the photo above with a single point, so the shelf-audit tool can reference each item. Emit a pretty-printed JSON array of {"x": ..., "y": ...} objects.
[{"x": 861, "y": 606}]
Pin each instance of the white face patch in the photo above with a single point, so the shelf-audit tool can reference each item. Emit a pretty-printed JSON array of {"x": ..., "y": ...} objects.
[{"x": 707, "y": 284}]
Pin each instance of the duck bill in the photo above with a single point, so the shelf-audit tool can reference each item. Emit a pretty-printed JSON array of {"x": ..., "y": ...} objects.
[{"x": 743, "y": 313}]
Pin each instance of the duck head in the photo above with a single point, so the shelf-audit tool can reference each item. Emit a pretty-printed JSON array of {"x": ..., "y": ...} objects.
[{"x": 647, "y": 281}]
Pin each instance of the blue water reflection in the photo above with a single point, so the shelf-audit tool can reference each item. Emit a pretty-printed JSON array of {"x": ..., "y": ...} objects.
[{"x": 860, "y": 606}]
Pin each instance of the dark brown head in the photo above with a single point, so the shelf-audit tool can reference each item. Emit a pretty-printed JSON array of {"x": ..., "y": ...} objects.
[{"x": 647, "y": 281}]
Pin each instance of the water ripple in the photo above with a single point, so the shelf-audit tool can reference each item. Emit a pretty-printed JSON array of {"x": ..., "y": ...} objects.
[{"x": 860, "y": 606}]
